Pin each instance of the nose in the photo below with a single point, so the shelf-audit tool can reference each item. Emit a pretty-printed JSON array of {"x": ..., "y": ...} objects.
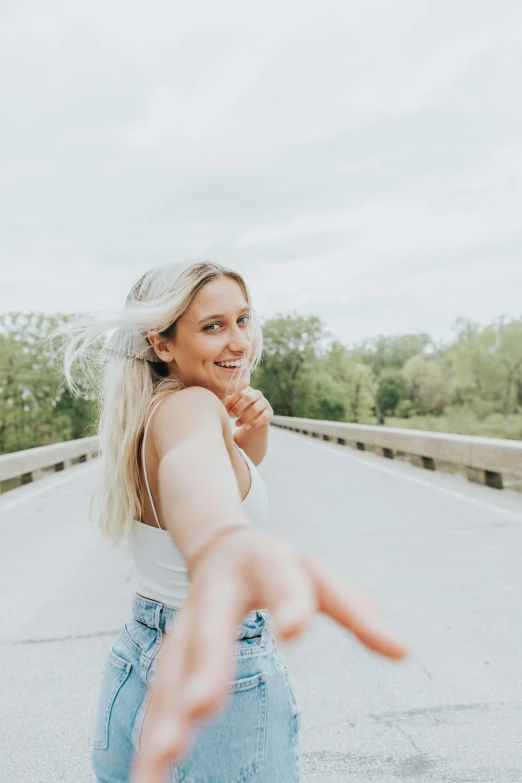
[{"x": 239, "y": 343}]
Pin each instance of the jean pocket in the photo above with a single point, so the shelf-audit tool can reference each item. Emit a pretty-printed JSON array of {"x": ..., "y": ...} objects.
[
  {"x": 115, "y": 672},
  {"x": 229, "y": 747},
  {"x": 139, "y": 637}
]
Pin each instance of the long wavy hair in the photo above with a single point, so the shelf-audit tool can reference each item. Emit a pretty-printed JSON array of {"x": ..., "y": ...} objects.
[{"x": 125, "y": 386}]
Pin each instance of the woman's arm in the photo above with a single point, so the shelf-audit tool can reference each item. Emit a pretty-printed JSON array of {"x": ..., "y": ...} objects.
[
  {"x": 232, "y": 573},
  {"x": 253, "y": 442},
  {"x": 197, "y": 484}
]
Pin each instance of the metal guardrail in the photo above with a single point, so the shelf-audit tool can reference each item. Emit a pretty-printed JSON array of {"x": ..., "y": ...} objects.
[
  {"x": 22, "y": 464},
  {"x": 485, "y": 459}
]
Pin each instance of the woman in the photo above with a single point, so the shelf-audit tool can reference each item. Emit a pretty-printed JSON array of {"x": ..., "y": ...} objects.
[{"x": 193, "y": 688}]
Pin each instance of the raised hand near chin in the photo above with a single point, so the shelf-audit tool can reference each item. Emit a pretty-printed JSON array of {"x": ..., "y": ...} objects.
[{"x": 251, "y": 406}]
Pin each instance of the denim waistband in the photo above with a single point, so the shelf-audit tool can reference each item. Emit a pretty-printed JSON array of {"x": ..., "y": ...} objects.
[{"x": 156, "y": 615}]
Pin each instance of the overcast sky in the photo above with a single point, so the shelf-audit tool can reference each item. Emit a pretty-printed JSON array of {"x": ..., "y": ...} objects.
[{"x": 361, "y": 161}]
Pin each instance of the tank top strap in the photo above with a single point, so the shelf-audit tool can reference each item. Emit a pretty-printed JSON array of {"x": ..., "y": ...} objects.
[{"x": 144, "y": 462}]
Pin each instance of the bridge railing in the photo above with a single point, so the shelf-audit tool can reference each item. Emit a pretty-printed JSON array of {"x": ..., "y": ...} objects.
[
  {"x": 485, "y": 459},
  {"x": 25, "y": 464}
]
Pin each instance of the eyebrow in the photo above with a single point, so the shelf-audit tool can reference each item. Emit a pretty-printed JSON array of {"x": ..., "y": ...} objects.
[{"x": 222, "y": 315}]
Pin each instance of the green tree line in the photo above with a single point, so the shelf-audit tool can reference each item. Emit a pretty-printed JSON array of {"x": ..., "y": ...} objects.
[
  {"x": 471, "y": 383},
  {"x": 36, "y": 407}
]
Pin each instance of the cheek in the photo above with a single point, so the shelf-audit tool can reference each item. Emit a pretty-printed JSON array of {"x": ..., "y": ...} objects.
[
  {"x": 200, "y": 352},
  {"x": 204, "y": 349}
]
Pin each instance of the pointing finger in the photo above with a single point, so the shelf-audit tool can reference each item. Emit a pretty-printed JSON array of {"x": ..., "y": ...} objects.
[{"x": 353, "y": 610}]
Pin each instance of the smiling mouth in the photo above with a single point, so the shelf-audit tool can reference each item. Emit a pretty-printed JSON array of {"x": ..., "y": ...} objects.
[{"x": 230, "y": 369}]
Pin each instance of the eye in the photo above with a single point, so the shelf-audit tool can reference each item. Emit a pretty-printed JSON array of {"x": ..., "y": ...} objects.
[{"x": 208, "y": 329}]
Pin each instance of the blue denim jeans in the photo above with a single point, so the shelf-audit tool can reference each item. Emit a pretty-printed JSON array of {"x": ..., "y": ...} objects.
[{"x": 254, "y": 736}]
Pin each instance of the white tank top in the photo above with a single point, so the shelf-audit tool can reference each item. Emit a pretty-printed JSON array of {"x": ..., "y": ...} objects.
[{"x": 159, "y": 568}]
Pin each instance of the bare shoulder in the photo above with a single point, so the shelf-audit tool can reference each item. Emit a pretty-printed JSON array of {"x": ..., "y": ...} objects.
[{"x": 186, "y": 414}]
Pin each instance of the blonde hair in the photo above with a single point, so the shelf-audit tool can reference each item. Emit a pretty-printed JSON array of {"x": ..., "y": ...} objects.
[{"x": 125, "y": 386}]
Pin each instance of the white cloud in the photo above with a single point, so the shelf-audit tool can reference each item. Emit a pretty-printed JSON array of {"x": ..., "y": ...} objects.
[{"x": 361, "y": 161}]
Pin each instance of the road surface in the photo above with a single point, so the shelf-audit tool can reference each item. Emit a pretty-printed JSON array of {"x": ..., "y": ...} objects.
[{"x": 441, "y": 558}]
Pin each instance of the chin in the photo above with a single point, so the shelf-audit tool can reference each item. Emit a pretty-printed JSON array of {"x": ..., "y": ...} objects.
[{"x": 236, "y": 385}]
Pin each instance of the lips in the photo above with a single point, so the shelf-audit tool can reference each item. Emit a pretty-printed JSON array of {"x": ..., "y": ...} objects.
[{"x": 229, "y": 369}]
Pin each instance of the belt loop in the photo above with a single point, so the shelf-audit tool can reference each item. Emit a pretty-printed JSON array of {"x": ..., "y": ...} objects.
[
  {"x": 157, "y": 616},
  {"x": 266, "y": 636}
]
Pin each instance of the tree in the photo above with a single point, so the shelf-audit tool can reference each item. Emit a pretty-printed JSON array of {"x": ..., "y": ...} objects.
[
  {"x": 428, "y": 383},
  {"x": 487, "y": 363},
  {"x": 390, "y": 353},
  {"x": 356, "y": 380},
  {"x": 392, "y": 389},
  {"x": 364, "y": 398},
  {"x": 292, "y": 344},
  {"x": 326, "y": 400},
  {"x": 509, "y": 351},
  {"x": 35, "y": 407}
]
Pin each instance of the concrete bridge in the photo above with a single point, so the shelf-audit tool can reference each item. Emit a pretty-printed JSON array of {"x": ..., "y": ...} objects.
[{"x": 440, "y": 555}]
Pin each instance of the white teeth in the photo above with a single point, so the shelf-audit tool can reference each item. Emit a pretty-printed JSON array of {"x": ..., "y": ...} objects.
[{"x": 226, "y": 364}]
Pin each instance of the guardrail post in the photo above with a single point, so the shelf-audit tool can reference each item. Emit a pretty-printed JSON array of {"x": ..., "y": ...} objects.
[
  {"x": 382, "y": 451},
  {"x": 423, "y": 462},
  {"x": 67, "y": 463},
  {"x": 26, "y": 478},
  {"x": 487, "y": 477}
]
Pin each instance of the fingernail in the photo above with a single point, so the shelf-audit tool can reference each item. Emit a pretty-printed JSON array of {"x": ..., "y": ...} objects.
[{"x": 248, "y": 427}]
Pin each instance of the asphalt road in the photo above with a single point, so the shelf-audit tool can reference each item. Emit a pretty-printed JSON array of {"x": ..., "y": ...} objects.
[{"x": 441, "y": 558}]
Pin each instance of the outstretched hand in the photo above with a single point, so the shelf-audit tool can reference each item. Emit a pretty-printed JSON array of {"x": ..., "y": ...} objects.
[{"x": 243, "y": 570}]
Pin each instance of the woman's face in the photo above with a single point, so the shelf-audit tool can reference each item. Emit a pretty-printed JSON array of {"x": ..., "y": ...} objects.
[{"x": 213, "y": 329}]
